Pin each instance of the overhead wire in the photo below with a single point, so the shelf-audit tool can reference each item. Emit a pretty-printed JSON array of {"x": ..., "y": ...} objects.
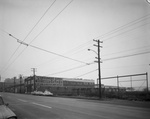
[
  {"x": 105, "y": 68},
  {"x": 81, "y": 46},
  {"x": 124, "y": 26},
  {"x": 86, "y": 73},
  {"x": 78, "y": 47},
  {"x": 70, "y": 53},
  {"x": 102, "y": 35},
  {"x": 43, "y": 29},
  {"x": 70, "y": 69},
  {"x": 130, "y": 55},
  {"x": 57, "y": 54},
  {"x": 31, "y": 41},
  {"x": 125, "y": 31},
  {"x": 52, "y": 20},
  {"x": 27, "y": 34},
  {"x": 21, "y": 42},
  {"x": 40, "y": 19},
  {"x": 127, "y": 50}
]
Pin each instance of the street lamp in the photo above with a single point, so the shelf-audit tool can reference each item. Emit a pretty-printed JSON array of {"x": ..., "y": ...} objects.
[{"x": 93, "y": 51}]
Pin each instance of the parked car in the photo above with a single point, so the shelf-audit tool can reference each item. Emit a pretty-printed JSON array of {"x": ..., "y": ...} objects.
[
  {"x": 47, "y": 93},
  {"x": 37, "y": 93},
  {"x": 34, "y": 92},
  {"x": 5, "y": 112}
]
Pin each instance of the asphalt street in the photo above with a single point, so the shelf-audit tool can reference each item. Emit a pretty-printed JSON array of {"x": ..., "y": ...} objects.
[{"x": 41, "y": 107}]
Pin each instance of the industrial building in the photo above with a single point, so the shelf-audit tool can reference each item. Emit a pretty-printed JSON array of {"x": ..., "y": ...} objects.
[{"x": 56, "y": 84}]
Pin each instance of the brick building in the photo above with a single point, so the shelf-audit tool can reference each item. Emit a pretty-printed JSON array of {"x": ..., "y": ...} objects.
[{"x": 56, "y": 84}]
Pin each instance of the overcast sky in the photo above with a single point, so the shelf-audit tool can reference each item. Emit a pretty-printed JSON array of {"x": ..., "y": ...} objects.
[{"x": 68, "y": 28}]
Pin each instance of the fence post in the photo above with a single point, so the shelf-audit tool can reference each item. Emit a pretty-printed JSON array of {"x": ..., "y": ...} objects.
[
  {"x": 118, "y": 84},
  {"x": 131, "y": 83},
  {"x": 147, "y": 81},
  {"x": 14, "y": 84}
]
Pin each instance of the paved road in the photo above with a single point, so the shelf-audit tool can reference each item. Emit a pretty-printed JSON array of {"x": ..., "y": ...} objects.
[{"x": 39, "y": 107}]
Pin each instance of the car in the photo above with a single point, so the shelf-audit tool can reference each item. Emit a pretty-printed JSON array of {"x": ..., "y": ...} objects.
[
  {"x": 5, "y": 111},
  {"x": 47, "y": 93},
  {"x": 34, "y": 92},
  {"x": 37, "y": 93}
]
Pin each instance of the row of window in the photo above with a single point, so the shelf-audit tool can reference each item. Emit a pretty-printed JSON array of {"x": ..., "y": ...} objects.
[
  {"x": 77, "y": 83},
  {"x": 48, "y": 84},
  {"x": 59, "y": 82}
]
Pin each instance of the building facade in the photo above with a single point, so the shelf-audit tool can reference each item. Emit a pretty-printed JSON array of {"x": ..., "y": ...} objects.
[{"x": 42, "y": 83}]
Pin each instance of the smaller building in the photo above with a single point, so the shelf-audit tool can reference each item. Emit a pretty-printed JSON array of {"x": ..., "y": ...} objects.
[
  {"x": 109, "y": 88},
  {"x": 78, "y": 83}
]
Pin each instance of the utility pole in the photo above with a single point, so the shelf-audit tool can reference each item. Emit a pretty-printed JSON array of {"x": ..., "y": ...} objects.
[
  {"x": 14, "y": 83},
  {"x": 34, "y": 69},
  {"x": 20, "y": 82},
  {"x": 99, "y": 66}
]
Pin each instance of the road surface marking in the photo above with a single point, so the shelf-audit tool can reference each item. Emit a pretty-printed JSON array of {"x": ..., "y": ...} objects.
[
  {"x": 22, "y": 100},
  {"x": 41, "y": 105}
]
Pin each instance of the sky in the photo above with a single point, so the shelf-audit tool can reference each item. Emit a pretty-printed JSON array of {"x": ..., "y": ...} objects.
[{"x": 66, "y": 31}]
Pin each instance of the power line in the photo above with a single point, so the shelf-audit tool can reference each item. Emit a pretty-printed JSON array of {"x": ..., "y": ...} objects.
[
  {"x": 125, "y": 32},
  {"x": 78, "y": 47},
  {"x": 87, "y": 73},
  {"x": 105, "y": 68},
  {"x": 13, "y": 60},
  {"x": 70, "y": 52},
  {"x": 52, "y": 20},
  {"x": 28, "y": 33},
  {"x": 57, "y": 54},
  {"x": 40, "y": 19},
  {"x": 124, "y": 26},
  {"x": 128, "y": 50},
  {"x": 21, "y": 42},
  {"x": 43, "y": 29},
  {"x": 126, "y": 56},
  {"x": 70, "y": 69}
]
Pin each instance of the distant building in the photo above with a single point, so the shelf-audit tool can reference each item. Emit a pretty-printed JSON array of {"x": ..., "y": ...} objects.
[
  {"x": 109, "y": 88},
  {"x": 12, "y": 80},
  {"x": 52, "y": 82}
]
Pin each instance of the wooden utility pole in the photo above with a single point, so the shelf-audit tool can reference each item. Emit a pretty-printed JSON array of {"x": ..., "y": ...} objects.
[{"x": 99, "y": 66}]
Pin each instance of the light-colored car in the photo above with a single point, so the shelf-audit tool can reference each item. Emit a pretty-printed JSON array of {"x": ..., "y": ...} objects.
[
  {"x": 47, "y": 93},
  {"x": 5, "y": 112},
  {"x": 34, "y": 92},
  {"x": 37, "y": 93}
]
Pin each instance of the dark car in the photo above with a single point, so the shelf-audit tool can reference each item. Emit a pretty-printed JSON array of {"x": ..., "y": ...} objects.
[{"x": 5, "y": 112}]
